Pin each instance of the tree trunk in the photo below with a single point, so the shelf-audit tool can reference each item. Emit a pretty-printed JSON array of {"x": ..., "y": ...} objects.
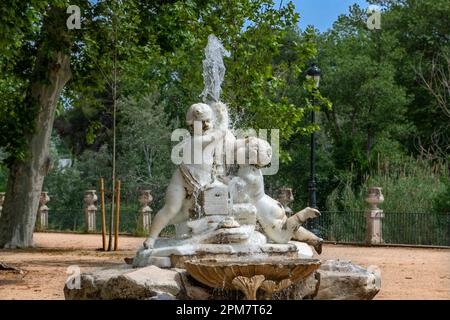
[{"x": 27, "y": 176}]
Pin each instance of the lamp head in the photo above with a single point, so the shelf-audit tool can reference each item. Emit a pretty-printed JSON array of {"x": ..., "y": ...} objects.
[{"x": 314, "y": 73}]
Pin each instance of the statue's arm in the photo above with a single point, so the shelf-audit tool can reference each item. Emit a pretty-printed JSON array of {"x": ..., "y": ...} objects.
[
  {"x": 221, "y": 112},
  {"x": 253, "y": 177},
  {"x": 215, "y": 135}
]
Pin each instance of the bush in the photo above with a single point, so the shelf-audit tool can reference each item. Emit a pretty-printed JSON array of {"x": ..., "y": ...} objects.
[
  {"x": 409, "y": 185},
  {"x": 441, "y": 202}
]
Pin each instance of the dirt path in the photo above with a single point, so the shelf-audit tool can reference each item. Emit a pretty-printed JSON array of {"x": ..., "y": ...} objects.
[{"x": 407, "y": 273}]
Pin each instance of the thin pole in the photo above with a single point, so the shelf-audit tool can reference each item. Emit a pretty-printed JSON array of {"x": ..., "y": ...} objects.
[
  {"x": 114, "y": 92},
  {"x": 116, "y": 233},
  {"x": 111, "y": 218},
  {"x": 102, "y": 205},
  {"x": 312, "y": 182}
]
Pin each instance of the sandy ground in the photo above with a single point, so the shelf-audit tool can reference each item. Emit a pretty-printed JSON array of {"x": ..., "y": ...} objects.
[{"x": 407, "y": 273}]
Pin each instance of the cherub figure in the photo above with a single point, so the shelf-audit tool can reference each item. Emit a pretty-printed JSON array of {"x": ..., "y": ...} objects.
[
  {"x": 181, "y": 200},
  {"x": 271, "y": 214}
]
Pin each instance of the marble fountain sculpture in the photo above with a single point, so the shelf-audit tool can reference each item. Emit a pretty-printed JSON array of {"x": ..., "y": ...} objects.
[{"x": 230, "y": 233}]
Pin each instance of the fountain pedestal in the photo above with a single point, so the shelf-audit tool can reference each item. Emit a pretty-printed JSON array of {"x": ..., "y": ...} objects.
[
  {"x": 172, "y": 253},
  {"x": 271, "y": 274}
]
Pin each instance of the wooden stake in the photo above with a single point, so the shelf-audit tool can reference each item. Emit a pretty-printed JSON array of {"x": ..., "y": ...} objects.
[
  {"x": 116, "y": 233},
  {"x": 102, "y": 206},
  {"x": 111, "y": 218}
]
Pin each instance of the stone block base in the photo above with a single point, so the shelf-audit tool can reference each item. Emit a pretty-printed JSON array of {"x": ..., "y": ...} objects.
[{"x": 334, "y": 280}]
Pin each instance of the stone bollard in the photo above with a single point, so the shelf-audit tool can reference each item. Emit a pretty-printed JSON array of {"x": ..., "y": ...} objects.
[
  {"x": 374, "y": 216},
  {"x": 42, "y": 216},
  {"x": 2, "y": 198},
  {"x": 285, "y": 197},
  {"x": 90, "y": 209},
  {"x": 145, "y": 212}
]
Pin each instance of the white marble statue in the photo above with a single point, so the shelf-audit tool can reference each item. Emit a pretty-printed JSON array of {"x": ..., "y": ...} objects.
[
  {"x": 190, "y": 179},
  {"x": 271, "y": 214},
  {"x": 181, "y": 200}
]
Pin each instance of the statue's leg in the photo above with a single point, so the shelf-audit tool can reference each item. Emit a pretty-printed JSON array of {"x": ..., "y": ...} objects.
[
  {"x": 184, "y": 212},
  {"x": 304, "y": 235},
  {"x": 181, "y": 228},
  {"x": 305, "y": 214},
  {"x": 175, "y": 195},
  {"x": 274, "y": 222}
]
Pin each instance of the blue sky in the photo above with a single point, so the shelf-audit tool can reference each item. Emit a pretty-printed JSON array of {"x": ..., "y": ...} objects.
[{"x": 322, "y": 13}]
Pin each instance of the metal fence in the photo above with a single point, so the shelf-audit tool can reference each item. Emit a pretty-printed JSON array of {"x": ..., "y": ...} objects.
[
  {"x": 336, "y": 226},
  {"x": 72, "y": 219},
  {"x": 397, "y": 227},
  {"x": 417, "y": 228},
  {"x": 339, "y": 226}
]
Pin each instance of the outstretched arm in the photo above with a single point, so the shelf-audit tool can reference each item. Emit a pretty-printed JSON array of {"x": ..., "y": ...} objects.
[
  {"x": 213, "y": 135},
  {"x": 221, "y": 115}
]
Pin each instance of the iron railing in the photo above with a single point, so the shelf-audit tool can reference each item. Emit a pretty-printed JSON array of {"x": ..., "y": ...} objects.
[
  {"x": 409, "y": 228},
  {"x": 72, "y": 219},
  {"x": 339, "y": 226},
  {"x": 336, "y": 226},
  {"x": 414, "y": 228}
]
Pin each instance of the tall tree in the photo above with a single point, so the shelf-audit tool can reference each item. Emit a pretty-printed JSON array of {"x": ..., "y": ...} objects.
[
  {"x": 421, "y": 28},
  {"x": 359, "y": 78},
  {"x": 29, "y": 160}
]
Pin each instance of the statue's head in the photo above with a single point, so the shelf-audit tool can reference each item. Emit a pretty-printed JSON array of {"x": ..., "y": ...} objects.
[
  {"x": 285, "y": 195},
  {"x": 262, "y": 151},
  {"x": 200, "y": 112},
  {"x": 258, "y": 152}
]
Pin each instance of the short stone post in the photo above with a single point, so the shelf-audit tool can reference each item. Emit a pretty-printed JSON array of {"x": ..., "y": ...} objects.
[
  {"x": 2, "y": 199},
  {"x": 42, "y": 216},
  {"x": 285, "y": 197},
  {"x": 374, "y": 216},
  {"x": 145, "y": 212},
  {"x": 90, "y": 209}
]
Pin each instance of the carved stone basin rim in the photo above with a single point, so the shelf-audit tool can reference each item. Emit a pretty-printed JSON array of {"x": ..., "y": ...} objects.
[{"x": 219, "y": 273}]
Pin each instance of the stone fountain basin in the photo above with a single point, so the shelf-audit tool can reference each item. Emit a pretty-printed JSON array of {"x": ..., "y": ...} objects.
[{"x": 219, "y": 273}]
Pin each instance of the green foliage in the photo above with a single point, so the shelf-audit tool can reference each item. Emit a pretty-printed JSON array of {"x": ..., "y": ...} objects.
[
  {"x": 161, "y": 50},
  {"x": 421, "y": 31},
  {"x": 143, "y": 152},
  {"x": 380, "y": 110},
  {"x": 30, "y": 34},
  {"x": 368, "y": 104},
  {"x": 145, "y": 147},
  {"x": 415, "y": 197},
  {"x": 16, "y": 117},
  {"x": 409, "y": 185},
  {"x": 345, "y": 198},
  {"x": 66, "y": 188},
  {"x": 441, "y": 201},
  {"x": 3, "y": 177}
]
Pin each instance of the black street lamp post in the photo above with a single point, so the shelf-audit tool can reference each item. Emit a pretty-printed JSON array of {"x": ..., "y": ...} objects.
[{"x": 313, "y": 73}]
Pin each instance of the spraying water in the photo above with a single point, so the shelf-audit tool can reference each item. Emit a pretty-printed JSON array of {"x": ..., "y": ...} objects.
[{"x": 213, "y": 69}]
